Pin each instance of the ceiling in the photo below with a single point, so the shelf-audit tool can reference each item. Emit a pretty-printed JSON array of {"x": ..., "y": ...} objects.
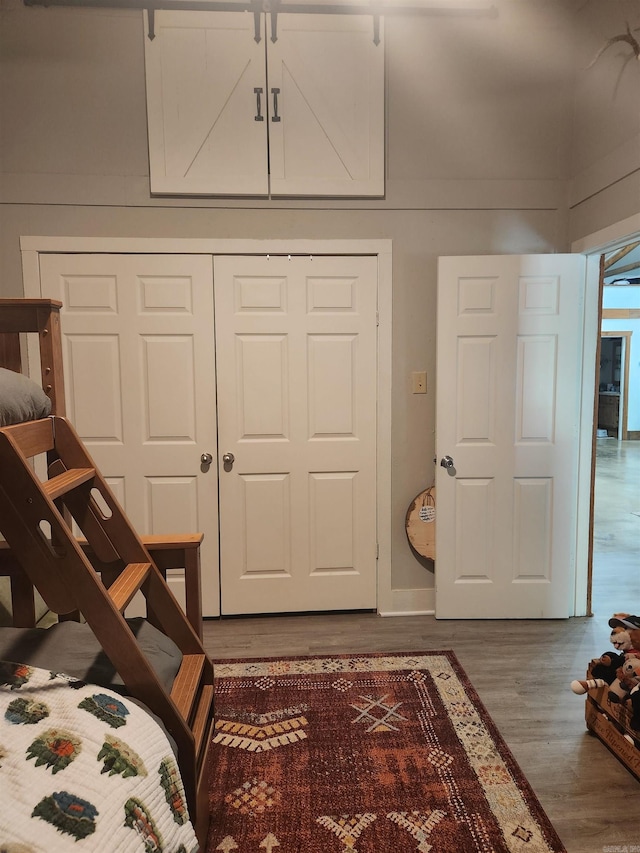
[{"x": 623, "y": 265}]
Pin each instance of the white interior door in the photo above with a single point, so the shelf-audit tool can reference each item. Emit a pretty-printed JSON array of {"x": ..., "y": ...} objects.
[
  {"x": 509, "y": 361},
  {"x": 139, "y": 374},
  {"x": 296, "y": 372}
]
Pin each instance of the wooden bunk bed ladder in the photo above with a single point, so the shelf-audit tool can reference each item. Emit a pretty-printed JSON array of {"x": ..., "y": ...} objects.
[{"x": 35, "y": 519}]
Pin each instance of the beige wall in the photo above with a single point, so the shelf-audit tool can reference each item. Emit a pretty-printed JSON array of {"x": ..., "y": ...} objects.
[
  {"x": 482, "y": 158},
  {"x": 605, "y": 146}
]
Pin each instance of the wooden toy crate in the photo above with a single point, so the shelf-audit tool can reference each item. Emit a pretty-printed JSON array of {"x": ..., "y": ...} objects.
[{"x": 610, "y": 722}]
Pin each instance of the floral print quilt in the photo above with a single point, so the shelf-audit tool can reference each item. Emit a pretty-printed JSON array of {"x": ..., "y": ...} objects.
[{"x": 83, "y": 768}]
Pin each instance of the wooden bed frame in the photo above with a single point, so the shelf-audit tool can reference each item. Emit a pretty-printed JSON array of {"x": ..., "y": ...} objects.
[
  {"x": 188, "y": 711},
  {"x": 34, "y": 315},
  {"x": 176, "y": 551}
]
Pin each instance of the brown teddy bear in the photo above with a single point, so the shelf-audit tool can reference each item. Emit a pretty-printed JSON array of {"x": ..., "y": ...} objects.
[{"x": 627, "y": 677}]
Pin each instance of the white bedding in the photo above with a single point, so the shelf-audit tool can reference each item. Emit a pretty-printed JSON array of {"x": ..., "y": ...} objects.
[{"x": 84, "y": 768}]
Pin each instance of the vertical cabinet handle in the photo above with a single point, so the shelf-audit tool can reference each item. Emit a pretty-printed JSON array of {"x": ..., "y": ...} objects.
[
  {"x": 258, "y": 116},
  {"x": 275, "y": 116}
]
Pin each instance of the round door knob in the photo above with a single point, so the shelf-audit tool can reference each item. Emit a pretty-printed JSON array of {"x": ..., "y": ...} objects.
[
  {"x": 206, "y": 459},
  {"x": 228, "y": 458},
  {"x": 446, "y": 462}
]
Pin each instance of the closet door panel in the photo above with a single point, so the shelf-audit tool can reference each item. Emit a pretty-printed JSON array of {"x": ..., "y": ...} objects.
[
  {"x": 206, "y": 121},
  {"x": 330, "y": 136},
  {"x": 139, "y": 364}
]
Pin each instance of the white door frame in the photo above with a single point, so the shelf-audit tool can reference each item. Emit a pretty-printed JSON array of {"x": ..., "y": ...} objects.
[
  {"x": 32, "y": 246},
  {"x": 593, "y": 245}
]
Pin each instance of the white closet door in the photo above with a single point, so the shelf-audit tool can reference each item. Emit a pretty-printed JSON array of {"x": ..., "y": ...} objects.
[
  {"x": 296, "y": 348},
  {"x": 139, "y": 367},
  {"x": 207, "y": 123},
  {"x": 329, "y": 139}
]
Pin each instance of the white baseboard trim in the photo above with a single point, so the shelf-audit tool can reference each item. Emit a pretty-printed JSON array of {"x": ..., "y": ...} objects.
[
  {"x": 411, "y": 602},
  {"x": 392, "y": 613}
]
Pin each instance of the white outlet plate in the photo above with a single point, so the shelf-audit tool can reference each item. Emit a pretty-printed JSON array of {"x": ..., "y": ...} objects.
[{"x": 419, "y": 381}]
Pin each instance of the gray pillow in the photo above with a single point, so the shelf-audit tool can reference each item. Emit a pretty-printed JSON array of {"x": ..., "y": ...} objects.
[
  {"x": 71, "y": 647},
  {"x": 21, "y": 399}
]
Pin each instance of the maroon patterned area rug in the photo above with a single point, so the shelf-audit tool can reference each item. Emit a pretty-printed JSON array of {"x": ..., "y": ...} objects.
[{"x": 386, "y": 753}]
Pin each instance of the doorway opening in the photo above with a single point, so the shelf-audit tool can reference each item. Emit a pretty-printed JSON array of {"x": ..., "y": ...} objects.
[
  {"x": 613, "y": 385},
  {"x": 615, "y": 579}
]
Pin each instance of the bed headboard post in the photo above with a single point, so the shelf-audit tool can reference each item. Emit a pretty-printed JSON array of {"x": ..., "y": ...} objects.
[
  {"x": 41, "y": 316},
  {"x": 50, "y": 336}
]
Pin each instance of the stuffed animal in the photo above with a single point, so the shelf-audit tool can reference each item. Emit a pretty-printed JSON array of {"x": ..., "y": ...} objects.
[
  {"x": 627, "y": 677},
  {"x": 586, "y": 684},
  {"x": 606, "y": 666},
  {"x": 625, "y": 638},
  {"x": 624, "y": 620}
]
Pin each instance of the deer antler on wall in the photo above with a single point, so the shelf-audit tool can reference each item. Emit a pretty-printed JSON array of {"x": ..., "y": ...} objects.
[{"x": 626, "y": 37}]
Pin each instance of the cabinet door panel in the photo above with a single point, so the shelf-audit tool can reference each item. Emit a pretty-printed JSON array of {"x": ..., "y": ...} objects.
[
  {"x": 204, "y": 139},
  {"x": 330, "y": 137}
]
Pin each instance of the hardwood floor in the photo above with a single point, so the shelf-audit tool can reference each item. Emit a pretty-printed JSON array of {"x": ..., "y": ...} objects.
[
  {"x": 616, "y": 531},
  {"x": 521, "y": 669}
]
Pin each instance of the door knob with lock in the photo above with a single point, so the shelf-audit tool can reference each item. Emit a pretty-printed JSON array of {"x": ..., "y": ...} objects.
[{"x": 447, "y": 462}]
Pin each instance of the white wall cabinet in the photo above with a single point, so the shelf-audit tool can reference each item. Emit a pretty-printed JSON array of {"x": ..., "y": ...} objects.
[{"x": 229, "y": 115}]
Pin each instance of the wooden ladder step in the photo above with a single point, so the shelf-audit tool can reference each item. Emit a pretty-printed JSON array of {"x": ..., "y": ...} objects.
[
  {"x": 186, "y": 684},
  {"x": 65, "y": 482},
  {"x": 202, "y": 717},
  {"x": 128, "y": 583}
]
